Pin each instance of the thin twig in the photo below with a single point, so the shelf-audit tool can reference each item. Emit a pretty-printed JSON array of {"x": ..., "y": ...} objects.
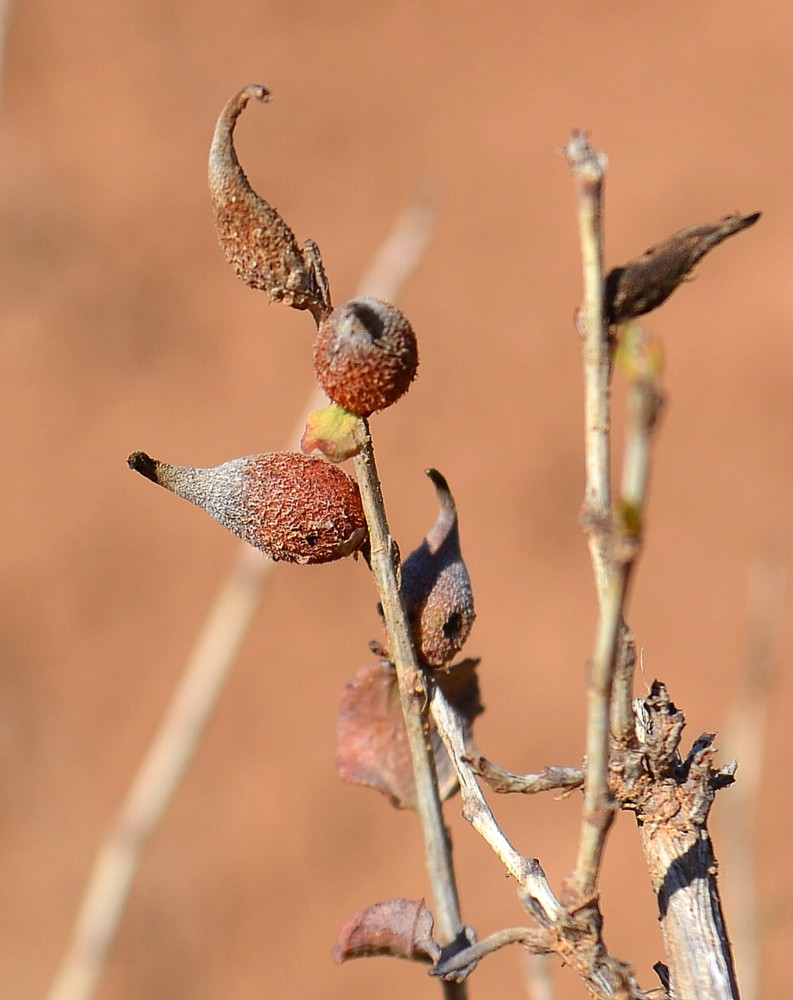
[
  {"x": 589, "y": 168},
  {"x": 527, "y": 872},
  {"x": 571, "y": 934},
  {"x": 551, "y": 779},
  {"x": 613, "y": 546},
  {"x": 160, "y": 773},
  {"x": 204, "y": 676},
  {"x": 644, "y": 404},
  {"x": 531, "y": 938},
  {"x": 414, "y": 697},
  {"x": 599, "y": 806}
]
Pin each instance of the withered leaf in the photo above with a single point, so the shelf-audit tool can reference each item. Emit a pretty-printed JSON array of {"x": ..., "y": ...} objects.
[
  {"x": 372, "y": 747},
  {"x": 646, "y": 282},
  {"x": 255, "y": 240},
  {"x": 401, "y": 928}
]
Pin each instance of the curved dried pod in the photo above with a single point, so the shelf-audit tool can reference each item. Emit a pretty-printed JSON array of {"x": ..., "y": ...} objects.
[
  {"x": 255, "y": 240},
  {"x": 289, "y": 506},
  {"x": 436, "y": 586},
  {"x": 365, "y": 355},
  {"x": 646, "y": 282}
]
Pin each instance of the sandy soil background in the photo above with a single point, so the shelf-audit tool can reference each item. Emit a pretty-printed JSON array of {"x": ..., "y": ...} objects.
[{"x": 122, "y": 328}]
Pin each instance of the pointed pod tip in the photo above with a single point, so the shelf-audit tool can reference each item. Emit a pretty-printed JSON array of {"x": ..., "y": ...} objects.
[
  {"x": 228, "y": 119},
  {"x": 140, "y": 462},
  {"x": 437, "y": 479},
  {"x": 442, "y": 491},
  {"x": 749, "y": 220},
  {"x": 253, "y": 92}
]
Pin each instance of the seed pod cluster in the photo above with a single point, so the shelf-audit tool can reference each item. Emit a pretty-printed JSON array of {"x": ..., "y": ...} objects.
[
  {"x": 289, "y": 506},
  {"x": 365, "y": 355},
  {"x": 436, "y": 586}
]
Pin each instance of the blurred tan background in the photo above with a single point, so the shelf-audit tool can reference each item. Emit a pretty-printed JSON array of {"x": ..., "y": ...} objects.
[{"x": 122, "y": 328}]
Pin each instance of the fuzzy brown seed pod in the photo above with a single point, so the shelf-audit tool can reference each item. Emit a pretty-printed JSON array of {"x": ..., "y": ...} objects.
[
  {"x": 436, "y": 586},
  {"x": 289, "y": 506},
  {"x": 255, "y": 240},
  {"x": 365, "y": 355},
  {"x": 646, "y": 282}
]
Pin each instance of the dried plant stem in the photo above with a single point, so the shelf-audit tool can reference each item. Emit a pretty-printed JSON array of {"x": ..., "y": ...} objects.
[
  {"x": 553, "y": 778},
  {"x": 204, "y": 676},
  {"x": 535, "y": 940},
  {"x": 599, "y": 806},
  {"x": 414, "y": 695},
  {"x": 159, "y": 775},
  {"x": 588, "y": 168},
  {"x": 527, "y": 872}
]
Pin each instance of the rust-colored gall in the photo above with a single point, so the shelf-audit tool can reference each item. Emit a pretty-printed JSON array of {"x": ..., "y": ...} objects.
[
  {"x": 289, "y": 506},
  {"x": 365, "y": 355}
]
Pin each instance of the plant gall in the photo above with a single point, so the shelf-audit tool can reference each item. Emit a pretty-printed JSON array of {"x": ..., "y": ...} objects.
[
  {"x": 289, "y": 506},
  {"x": 365, "y": 355}
]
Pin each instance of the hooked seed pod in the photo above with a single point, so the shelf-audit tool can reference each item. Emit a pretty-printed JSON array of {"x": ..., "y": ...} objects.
[
  {"x": 256, "y": 241},
  {"x": 436, "y": 586},
  {"x": 289, "y": 506},
  {"x": 365, "y": 355},
  {"x": 646, "y": 282}
]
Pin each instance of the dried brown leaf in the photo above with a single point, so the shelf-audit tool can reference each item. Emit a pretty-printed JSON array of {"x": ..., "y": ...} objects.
[
  {"x": 401, "y": 928},
  {"x": 372, "y": 747}
]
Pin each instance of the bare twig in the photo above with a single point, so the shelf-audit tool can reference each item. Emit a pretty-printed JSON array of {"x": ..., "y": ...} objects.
[
  {"x": 550, "y": 779},
  {"x": 642, "y": 365},
  {"x": 644, "y": 403},
  {"x": 572, "y": 934},
  {"x": 536, "y": 940},
  {"x": 599, "y": 806},
  {"x": 160, "y": 773},
  {"x": 205, "y": 673},
  {"x": 527, "y": 872},
  {"x": 588, "y": 168},
  {"x": 414, "y": 697}
]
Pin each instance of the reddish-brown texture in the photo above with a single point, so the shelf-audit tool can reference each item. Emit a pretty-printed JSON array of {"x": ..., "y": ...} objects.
[
  {"x": 257, "y": 243},
  {"x": 401, "y": 928},
  {"x": 122, "y": 325},
  {"x": 287, "y": 505},
  {"x": 372, "y": 747},
  {"x": 365, "y": 355}
]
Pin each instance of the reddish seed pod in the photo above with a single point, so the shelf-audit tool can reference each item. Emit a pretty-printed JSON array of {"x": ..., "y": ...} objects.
[
  {"x": 289, "y": 506},
  {"x": 255, "y": 240},
  {"x": 365, "y": 355},
  {"x": 436, "y": 586}
]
